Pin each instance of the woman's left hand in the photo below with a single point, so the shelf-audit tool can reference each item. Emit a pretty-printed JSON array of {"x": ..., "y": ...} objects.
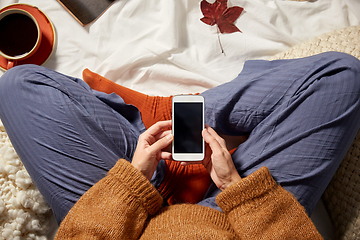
[{"x": 149, "y": 150}]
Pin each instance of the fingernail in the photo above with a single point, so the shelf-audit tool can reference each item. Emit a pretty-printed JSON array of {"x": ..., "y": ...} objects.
[
  {"x": 169, "y": 137},
  {"x": 206, "y": 132}
]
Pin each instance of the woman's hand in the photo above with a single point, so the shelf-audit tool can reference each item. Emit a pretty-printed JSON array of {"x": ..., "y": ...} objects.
[
  {"x": 148, "y": 151},
  {"x": 218, "y": 160}
]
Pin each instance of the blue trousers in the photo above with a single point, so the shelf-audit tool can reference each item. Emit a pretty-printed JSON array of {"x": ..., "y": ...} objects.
[{"x": 301, "y": 116}]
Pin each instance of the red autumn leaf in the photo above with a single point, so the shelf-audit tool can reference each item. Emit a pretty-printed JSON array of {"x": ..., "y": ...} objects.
[{"x": 218, "y": 13}]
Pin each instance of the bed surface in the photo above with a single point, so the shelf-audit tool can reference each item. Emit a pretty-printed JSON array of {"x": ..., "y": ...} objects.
[{"x": 160, "y": 47}]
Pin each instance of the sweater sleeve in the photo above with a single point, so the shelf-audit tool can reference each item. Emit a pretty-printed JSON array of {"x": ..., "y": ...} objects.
[
  {"x": 258, "y": 208},
  {"x": 116, "y": 207}
]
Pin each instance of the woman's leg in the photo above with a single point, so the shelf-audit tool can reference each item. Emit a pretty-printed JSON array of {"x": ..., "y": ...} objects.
[
  {"x": 177, "y": 184},
  {"x": 66, "y": 134},
  {"x": 302, "y": 116}
]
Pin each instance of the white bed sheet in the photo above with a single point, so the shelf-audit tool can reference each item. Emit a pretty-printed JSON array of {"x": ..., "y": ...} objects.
[{"x": 160, "y": 47}]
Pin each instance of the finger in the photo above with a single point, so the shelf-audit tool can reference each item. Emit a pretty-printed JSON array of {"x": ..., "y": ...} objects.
[
  {"x": 213, "y": 143},
  {"x": 162, "y": 134},
  {"x": 220, "y": 140},
  {"x": 161, "y": 143},
  {"x": 208, "y": 153},
  {"x": 158, "y": 127},
  {"x": 165, "y": 155},
  {"x": 150, "y": 135}
]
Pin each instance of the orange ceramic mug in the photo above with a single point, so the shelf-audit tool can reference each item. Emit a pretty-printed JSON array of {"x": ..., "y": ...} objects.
[{"x": 20, "y": 36}]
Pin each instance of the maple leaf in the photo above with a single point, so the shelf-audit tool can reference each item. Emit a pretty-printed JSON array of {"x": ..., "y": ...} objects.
[{"x": 218, "y": 13}]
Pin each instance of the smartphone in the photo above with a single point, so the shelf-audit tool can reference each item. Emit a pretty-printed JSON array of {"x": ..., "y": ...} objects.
[{"x": 187, "y": 125}]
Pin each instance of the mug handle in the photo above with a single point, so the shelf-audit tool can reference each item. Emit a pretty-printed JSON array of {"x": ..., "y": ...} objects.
[{"x": 10, "y": 64}]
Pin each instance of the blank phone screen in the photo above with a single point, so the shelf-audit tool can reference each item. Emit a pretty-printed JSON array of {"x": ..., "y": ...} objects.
[{"x": 188, "y": 120}]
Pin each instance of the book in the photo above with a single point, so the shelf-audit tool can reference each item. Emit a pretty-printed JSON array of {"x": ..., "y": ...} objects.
[{"x": 86, "y": 11}]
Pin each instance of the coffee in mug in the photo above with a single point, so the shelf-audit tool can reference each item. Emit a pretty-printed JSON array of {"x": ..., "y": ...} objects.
[{"x": 19, "y": 35}]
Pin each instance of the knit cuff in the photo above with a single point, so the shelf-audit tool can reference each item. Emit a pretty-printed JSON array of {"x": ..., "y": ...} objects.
[
  {"x": 126, "y": 176},
  {"x": 247, "y": 189}
]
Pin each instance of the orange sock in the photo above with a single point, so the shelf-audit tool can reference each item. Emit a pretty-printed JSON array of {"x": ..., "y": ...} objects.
[
  {"x": 152, "y": 108},
  {"x": 181, "y": 184}
]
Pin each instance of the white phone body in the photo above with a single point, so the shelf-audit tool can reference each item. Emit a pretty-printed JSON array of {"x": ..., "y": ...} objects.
[{"x": 187, "y": 125}]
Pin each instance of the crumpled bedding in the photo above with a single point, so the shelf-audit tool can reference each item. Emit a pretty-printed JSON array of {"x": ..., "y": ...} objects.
[{"x": 158, "y": 47}]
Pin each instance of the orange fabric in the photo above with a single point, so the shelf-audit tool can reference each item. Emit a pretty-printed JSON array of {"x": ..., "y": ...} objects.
[
  {"x": 184, "y": 184},
  {"x": 181, "y": 184},
  {"x": 152, "y": 109}
]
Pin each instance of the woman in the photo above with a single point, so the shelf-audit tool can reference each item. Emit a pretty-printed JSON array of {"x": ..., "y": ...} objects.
[{"x": 300, "y": 117}]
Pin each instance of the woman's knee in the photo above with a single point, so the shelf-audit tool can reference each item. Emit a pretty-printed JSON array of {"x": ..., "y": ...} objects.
[
  {"x": 345, "y": 70},
  {"x": 17, "y": 86},
  {"x": 343, "y": 62},
  {"x": 13, "y": 79}
]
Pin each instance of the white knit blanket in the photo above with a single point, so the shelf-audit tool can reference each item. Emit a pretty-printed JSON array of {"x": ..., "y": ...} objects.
[{"x": 22, "y": 207}]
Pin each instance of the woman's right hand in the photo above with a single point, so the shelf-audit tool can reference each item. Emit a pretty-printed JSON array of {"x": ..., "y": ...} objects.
[
  {"x": 218, "y": 161},
  {"x": 150, "y": 148}
]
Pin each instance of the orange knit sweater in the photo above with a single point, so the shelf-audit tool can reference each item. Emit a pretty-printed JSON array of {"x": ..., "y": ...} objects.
[{"x": 125, "y": 205}]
